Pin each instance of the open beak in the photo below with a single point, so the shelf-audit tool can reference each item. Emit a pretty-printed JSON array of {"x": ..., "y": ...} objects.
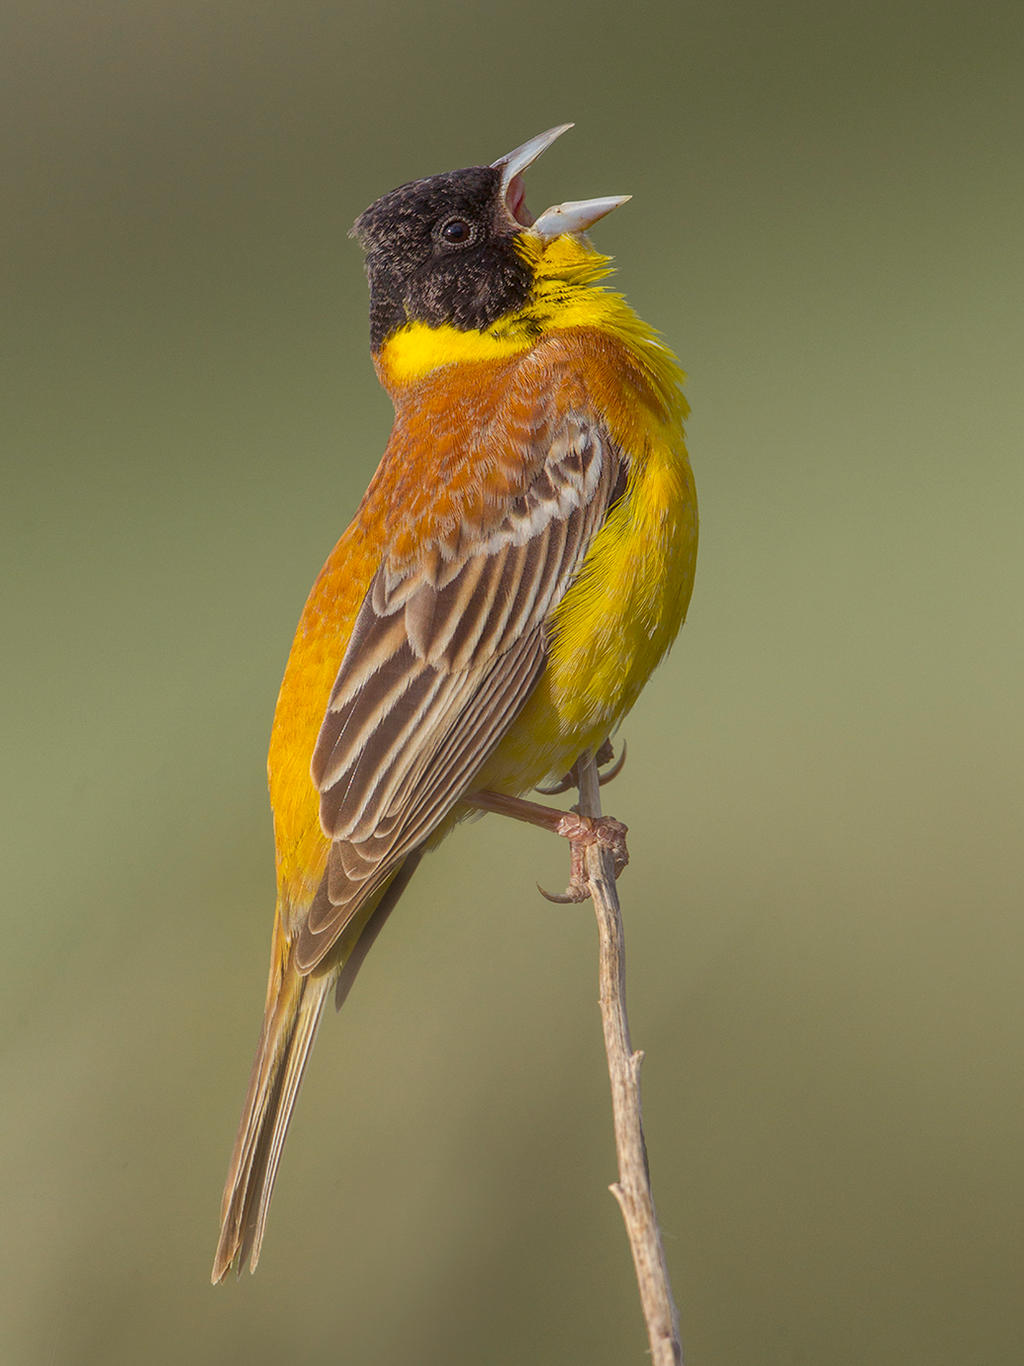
[{"x": 574, "y": 216}]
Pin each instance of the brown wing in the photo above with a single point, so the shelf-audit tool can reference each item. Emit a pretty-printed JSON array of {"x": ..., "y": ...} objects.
[{"x": 444, "y": 652}]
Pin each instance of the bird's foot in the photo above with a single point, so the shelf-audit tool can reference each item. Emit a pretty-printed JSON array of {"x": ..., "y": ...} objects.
[{"x": 582, "y": 832}]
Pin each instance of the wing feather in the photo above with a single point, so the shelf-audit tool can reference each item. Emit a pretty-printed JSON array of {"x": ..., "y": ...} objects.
[{"x": 445, "y": 650}]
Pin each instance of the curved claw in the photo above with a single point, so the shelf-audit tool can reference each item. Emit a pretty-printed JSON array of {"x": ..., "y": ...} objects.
[
  {"x": 616, "y": 768},
  {"x": 605, "y": 754},
  {"x": 572, "y": 895},
  {"x": 557, "y": 788}
]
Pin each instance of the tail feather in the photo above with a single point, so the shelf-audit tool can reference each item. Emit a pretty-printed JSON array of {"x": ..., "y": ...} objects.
[
  {"x": 289, "y": 1030},
  {"x": 290, "y": 1022}
]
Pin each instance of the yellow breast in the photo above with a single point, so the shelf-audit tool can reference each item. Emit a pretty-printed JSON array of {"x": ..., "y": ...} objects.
[{"x": 624, "y": 608}]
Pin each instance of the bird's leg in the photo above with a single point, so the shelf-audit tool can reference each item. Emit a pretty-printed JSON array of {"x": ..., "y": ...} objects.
[
  {"x": 604, "y": 755},
  {"x": 580, "y": 831}
]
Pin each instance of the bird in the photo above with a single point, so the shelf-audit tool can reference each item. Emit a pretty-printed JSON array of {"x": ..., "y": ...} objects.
[{"x": 521, "y": 561}]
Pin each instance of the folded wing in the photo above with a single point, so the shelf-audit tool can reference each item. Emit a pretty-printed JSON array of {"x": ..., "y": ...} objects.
[{"x": 444, "y": 652}]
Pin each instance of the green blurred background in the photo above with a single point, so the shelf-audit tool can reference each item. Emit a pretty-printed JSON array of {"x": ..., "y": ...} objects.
[{"x": 824, "y": 784}]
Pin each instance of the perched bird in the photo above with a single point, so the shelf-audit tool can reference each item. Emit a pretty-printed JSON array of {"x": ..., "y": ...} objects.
[{"x": 521, "y": 561}]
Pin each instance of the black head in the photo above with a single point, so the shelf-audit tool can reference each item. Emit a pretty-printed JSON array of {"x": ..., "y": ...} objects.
[{"x": 442, "y": 250}]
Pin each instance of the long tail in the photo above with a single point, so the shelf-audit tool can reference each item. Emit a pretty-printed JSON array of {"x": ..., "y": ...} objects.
[
  {"x": 289, "y": 1029},
  {"x": 290, "y": 1021}
]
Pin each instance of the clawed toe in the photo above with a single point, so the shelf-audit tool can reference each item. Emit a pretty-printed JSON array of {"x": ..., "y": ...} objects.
[{"x": 572, "y": 896}]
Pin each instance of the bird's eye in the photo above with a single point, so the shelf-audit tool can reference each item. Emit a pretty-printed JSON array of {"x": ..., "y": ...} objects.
[{"x": 456, "y": 232}]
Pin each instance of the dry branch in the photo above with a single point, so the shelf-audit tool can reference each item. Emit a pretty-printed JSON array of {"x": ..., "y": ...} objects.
[{"x": 633, "y": 1188}]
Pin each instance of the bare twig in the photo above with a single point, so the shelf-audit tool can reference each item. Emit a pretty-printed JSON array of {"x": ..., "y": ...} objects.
[{"x": 633, "y": 1188}]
